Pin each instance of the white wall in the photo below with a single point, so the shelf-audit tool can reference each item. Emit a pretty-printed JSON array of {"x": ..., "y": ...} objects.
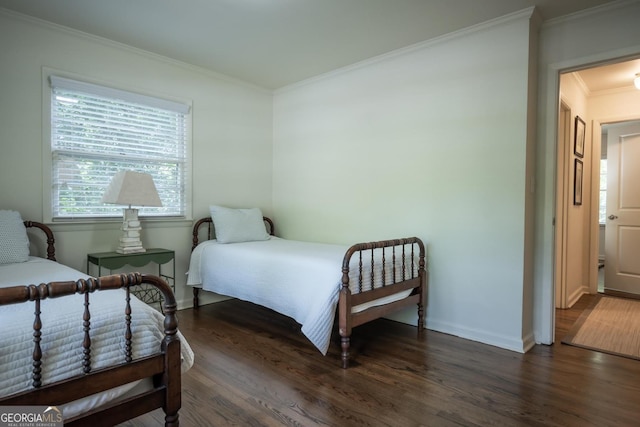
[
  {"x": 578, "y": 216},
  {"x": 232, "y": 131},
  {"x": 427, "y": 141},
  {"x": 597, "y": 35}
]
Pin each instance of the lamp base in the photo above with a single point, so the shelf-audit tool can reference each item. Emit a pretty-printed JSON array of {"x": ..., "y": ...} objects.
[
  {"x": 126, "y": 250},
  {"x": 130, "y": 241}
]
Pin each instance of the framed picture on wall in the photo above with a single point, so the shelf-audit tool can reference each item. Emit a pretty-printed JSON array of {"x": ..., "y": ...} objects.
[
  {"x": 578, "y": 144},
  {"x": 577, "y": 183}
]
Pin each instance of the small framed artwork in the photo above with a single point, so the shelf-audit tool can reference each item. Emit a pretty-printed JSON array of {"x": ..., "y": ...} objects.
[
  {"x": 578, "y": 144},
  {"x": 577, "y": 183}
]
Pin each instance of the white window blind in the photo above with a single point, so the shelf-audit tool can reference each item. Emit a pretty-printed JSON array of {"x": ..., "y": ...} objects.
[{"x": 97, "y": 131}]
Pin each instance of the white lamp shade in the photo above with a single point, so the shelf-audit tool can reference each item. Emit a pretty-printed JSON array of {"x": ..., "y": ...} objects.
[
  {"x": 636, "y": 81},
  {"x": 132, "y": 189}
]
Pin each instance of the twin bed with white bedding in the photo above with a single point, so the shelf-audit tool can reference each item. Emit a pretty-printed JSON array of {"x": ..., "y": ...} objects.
[
  {"x": 85, "y": 345},
  {"x": 306, "y": 281}
]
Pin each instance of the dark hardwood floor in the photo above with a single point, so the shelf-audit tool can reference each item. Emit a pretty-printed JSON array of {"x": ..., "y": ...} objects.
[{"x": 254, "y": 368}]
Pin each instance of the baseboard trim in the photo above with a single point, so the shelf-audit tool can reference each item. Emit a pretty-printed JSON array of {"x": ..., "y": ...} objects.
[{"x": 621, "y": 294}]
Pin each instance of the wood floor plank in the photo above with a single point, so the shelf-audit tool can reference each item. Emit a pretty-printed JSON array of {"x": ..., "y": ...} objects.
[{"x": 253, "y": 367}]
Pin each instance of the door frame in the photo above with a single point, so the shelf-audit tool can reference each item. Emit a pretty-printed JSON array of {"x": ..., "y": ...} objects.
[
  {"x": 594, "y": 214},
  {"x": 562, "y": 204}
]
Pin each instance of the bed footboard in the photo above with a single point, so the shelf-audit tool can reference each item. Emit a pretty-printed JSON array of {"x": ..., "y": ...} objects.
[
  {"x": 389, "y": 275},
  {"x": 164, "y": 366}
]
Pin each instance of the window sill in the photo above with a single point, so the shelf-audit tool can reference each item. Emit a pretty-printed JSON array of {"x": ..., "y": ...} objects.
[{"x": 110, "y": 223}]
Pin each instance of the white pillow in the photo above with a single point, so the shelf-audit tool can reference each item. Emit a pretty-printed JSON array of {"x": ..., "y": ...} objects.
[
  {"x": 14, "y": 242},
  {"x": 238, "y": 225}
]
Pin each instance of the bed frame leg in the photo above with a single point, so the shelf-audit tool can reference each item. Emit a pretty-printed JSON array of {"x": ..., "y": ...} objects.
[
  {"x": 196, "y": 302},
  {"x": 345, "y": 342},
  {"x": 171, "y": 421}
]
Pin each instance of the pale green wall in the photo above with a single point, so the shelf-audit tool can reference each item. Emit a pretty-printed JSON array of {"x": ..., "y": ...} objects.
[
  {"x": 429, "y": 141},
  {"x": 232, "y": 131}
]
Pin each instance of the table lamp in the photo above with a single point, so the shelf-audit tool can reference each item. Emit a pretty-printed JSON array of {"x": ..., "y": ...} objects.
[{"x": 132, "y": 189}]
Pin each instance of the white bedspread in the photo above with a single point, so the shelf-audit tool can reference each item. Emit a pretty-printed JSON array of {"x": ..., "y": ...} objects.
[
  {"x": 298, "y": 279},
  {"x": 62, "y": 332}
]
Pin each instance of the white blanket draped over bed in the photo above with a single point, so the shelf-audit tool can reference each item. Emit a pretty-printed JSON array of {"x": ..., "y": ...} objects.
[
  {"x": 62, "y": 331},
  {"x": 301, "y": 280}
]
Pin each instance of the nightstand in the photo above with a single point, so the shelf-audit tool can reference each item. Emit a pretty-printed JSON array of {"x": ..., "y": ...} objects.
[{"x": 159, "y": 256}]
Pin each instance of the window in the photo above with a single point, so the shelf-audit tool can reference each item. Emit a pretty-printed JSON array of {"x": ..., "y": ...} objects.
[
  {"x": 603, "y": 192},
  {"x": 97, "y": 131}
]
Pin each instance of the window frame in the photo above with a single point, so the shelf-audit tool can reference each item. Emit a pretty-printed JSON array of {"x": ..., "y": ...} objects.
[{"x": 47, "y": 152}]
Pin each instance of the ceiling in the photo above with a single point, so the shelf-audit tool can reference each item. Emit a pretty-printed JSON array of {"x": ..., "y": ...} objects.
[
  {"x": 274, "y": 43},
  {"x": 619, "y": 75}
]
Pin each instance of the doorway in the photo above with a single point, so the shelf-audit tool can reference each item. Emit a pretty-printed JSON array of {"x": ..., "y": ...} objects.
[{"x": 578, "y": 254}]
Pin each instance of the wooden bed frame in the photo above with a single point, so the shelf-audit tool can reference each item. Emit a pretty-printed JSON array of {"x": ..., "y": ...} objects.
[
  {"x": 346, "y": 319},
  {"x": 164, "y": 367}
]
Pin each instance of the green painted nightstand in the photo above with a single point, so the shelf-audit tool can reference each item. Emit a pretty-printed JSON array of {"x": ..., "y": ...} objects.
[{"x": 115, "y": 260}]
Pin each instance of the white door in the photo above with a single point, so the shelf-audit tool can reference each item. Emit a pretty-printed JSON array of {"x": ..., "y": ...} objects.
[{"x": 622, "y": 232}]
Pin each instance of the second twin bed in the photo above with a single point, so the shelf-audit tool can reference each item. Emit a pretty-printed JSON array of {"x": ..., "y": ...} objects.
[{"x": 306, "y": 281}]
